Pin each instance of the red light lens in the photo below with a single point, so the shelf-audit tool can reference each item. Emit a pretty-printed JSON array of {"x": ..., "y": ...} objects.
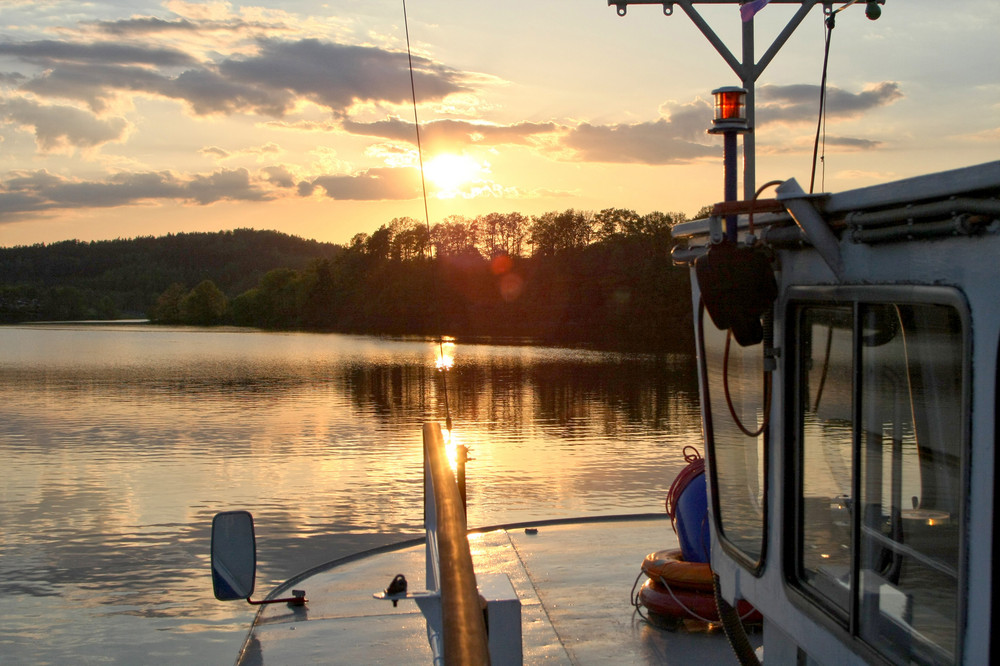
[{"x": 729, "y": 105}]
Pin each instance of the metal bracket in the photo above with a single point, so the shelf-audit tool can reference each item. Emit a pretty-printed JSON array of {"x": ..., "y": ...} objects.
[
  {"x": 621, "y": 6},
  {"x": 417, "y": 596}
]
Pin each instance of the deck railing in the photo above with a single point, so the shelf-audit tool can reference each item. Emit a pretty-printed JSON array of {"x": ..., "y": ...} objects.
[{"x": 458, "y": 633}]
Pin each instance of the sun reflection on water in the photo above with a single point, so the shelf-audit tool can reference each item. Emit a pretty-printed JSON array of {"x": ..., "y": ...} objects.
[
  {"x": 445, "y": 356},
  {"x": 451, "y": 448}
]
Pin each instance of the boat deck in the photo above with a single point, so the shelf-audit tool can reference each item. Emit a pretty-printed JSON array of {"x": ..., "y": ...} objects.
[{"x": 573, "y": 581}]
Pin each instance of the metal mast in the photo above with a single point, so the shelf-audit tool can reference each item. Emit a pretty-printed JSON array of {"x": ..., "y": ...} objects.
[{"x": 747, "y": 69}]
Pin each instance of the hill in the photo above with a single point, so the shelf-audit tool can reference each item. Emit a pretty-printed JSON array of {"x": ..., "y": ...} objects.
[{"x": 103, "y": 279}]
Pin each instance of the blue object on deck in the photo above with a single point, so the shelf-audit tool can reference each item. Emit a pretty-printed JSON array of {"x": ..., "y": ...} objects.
[{"x": 691, "y": 521}]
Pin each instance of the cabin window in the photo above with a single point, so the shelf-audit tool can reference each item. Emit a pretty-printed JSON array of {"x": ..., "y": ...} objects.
[
  {"x": 737, "y": 391},
  {"x": 881, "y": 389}
]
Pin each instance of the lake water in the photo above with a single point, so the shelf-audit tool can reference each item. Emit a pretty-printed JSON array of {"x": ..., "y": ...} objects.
[{"x": 120, "y": 442}]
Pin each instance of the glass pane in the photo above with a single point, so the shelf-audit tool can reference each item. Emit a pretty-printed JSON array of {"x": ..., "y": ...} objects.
[
  {"x": 911, "y": 451},
  {"x": 738, "y": 457},
  {"x": 825, "y": 376}
]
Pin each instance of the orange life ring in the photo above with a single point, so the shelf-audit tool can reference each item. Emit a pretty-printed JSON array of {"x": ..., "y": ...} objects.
[
  {"x": 667, "y": 567},
  {"x": 689, "y": 604}
]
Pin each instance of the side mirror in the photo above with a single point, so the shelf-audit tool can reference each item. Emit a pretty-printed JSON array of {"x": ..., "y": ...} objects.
[{"x": 234, "y": 555}]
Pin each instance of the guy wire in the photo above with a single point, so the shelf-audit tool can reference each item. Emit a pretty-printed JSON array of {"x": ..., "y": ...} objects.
[
  {"x": 829, "y": 23},
  {"x": 427, "y": 217},
  {"x": 820, "y": 123},
  {"x": 416, "y": 121}
]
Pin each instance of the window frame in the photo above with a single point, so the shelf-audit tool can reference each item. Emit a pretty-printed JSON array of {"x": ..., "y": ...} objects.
[
  {"x": 754, "y": 566},
  {"x": 799, "y": 298}
]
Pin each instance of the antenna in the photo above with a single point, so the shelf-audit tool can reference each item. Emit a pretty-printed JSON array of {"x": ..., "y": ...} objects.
[
  {"x": 427, "y": 218},
  {"x": 416, "y": 120}
]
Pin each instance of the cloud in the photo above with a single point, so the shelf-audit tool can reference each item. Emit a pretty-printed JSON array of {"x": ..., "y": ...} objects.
[
  {"x": 678, "y": 139},
  {"x": 800, "y": 102},
  {"x": 62, "y": 127},
  {"x": 337, "y": 76},
  {"x": 96, "y": 85},
  {"x": 302, "y": 125},
  {"x": 48, "y": 52},
  {"x": 36, "y": 191},
  {"x": 147, "y": 26},
  {"x": 272, "y": 79},
  {"x": 452, "y": 134},
  {"x": 215, "y": 152},
  {"x": 209, "y": 93},
  {"x": 369, "y": 185},
  {"x": 144, "y": 26},
  {"x": 11, "y": 79},
  {"x": 853, "y": 143},
  {"x": 279, "y": 176},
  {"x": 231, "y": 184},
  {"x": 866, "y": 176},
  {"x": 27, "y": 192},
  {"x": 985, "y": 135}
]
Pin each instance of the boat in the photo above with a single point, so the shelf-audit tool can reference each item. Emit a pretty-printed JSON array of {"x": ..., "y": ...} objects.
[
  {"x": 850, "y": 440},
  {"x": 847, "y": 345}
]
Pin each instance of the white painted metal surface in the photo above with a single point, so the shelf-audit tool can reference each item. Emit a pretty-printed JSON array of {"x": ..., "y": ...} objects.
[
  {"x": 572, "y": 580},
  {"x": 921, "y": 246}
]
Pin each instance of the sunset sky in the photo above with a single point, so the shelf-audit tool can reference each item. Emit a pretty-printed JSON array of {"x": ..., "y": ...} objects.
[{"x": 126, "y": 118}]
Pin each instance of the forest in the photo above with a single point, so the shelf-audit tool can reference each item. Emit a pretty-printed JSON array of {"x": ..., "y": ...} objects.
[
  {"x": 570, "y": 277},
  {"x": 73, "y": 280}
]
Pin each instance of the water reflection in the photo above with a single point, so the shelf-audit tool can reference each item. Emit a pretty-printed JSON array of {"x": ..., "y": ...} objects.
[{"x": 120, "y": 443}]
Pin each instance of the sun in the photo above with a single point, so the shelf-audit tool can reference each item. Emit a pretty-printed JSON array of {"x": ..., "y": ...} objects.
[{"x": 449, "y": 172}]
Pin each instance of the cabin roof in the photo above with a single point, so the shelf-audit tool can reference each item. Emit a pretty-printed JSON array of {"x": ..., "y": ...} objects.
[{"x": 968, "y": 197}]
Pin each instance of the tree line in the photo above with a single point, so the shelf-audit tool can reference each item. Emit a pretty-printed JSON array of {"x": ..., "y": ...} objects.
[
  {"x": 603, "y": 279},
  {"x": 569, "y": 276},
  {"x": 72, "y": 280}
]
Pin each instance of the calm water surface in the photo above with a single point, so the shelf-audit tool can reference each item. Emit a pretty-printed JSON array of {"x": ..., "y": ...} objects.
[{"x": 120, "y": 442}]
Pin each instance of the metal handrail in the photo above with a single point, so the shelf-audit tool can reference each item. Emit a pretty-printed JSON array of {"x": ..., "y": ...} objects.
[{"x": 449, "y": 561}]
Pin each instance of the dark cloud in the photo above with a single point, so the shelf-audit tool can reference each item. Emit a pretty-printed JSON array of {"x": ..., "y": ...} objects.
[
  {"x": 278, "y": 175},
  {"x": 231, "y": 184},
  {"x": 95, "y": 84},
  {"x": 337, "y": 75},
  {"x": 369, "y": 185},
  {"x": 800, "y": 102},
  {"x": 640, "y": 143},
  {"x": 209, "y": 92},
  {"x": 269, "y": 82},
  {"x": 47, "y": 52},
  {"x": 850, "y": 142},
  {"x": 681, "y": 137},
  {"x": 58, "y": 127},
  {"x": 144, "y": 26},
  {"x": 215, "y": 151},
  {"x": 27, "y": 192},
  {"x": 451, "y": 133},
  {"x": 205, "y": 90},
  {"x": 678, "y": 139}
]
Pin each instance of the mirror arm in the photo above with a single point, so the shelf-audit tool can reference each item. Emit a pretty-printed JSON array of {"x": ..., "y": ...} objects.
[{"x": 298, "y": 598}]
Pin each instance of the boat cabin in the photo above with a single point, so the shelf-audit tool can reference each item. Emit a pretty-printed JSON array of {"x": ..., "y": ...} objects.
[{"x": 848, "y": 352}]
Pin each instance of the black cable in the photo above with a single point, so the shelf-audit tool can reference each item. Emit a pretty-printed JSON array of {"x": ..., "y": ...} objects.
[
  {"x": 822, "y": 98},
  {"x": 733, "y": 628},
  {"x": 416, "y": 121},
  {"x": 427, "y": 217}
]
